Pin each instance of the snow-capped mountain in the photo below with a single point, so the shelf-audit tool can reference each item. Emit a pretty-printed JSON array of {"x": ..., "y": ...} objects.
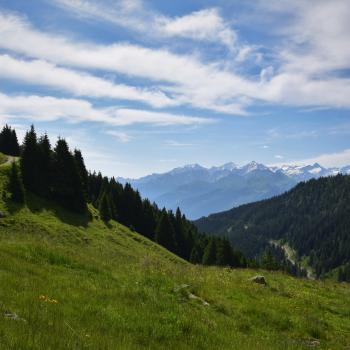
[
  {"x": 200, "y": 191},
  {"x": 306, "y": 172}
]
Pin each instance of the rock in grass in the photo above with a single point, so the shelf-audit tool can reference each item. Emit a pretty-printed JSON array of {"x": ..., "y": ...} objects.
[
  {"x": 181, "y": 287},
  {"x": 259, "y": 280},
  {"x": 13, "y": 316}
]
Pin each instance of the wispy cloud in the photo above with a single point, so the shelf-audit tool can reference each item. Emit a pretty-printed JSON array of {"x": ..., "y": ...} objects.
[
  {"x": 50, "y": 108},
  {"x": 120, "y": 135},
  {"x": 203, "y": 25},
  {"x": 40, "y": 72},
  {"x": 173, "y": 143},
  {"x": 336, "y": 159},
  {"x": 341, "y": 158},
  {"x": 304, "y": 72}
]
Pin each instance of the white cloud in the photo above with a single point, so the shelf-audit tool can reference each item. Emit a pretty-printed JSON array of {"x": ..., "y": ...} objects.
[
  {"x": 187, "y": 80},
  {"x": 202, "y": 25},
  {"x": 278, "y": 156},
  {"x": 49, "y": 108},
  {"x": 79, "y": 84},
  {"x": 119, "y": 135},
  {"x": 200, "y": 85},
  {"x": 126, "y": 13},
  {"x": 206, "y": 25},
  {"x": 173, "y": 143},
  {"x": 335, "y": 159}
]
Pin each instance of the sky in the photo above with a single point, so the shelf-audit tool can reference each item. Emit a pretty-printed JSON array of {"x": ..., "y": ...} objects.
[{"x": 146, "y": 86}]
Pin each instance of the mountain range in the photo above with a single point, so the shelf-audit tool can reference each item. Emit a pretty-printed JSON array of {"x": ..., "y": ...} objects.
[{"x": 200, "y": 191}]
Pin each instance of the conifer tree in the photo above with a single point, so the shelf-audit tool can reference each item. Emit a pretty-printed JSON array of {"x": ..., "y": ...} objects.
[
  {"x": 268, "y": 261},
  {"x": 196, "y": 255},
  {"x": 224, "y": 253},
  {"x": 82, "y": 170},
  {"x": 149, "y": 223},
  {"x": 180, "y": 234},
  {"x": 67, "y": 187},
  {"x": 15, "y": 185},
  {"x": 15, "y": 151},
  {"x": 165, "y": 233},
  {"x": 209, "y": 255},
  {"x": 46, "y": 171},
  {"x": 8, "y": 141},
  {"x": 30, "y": 162},
  {"x": 105, "y": 208}
]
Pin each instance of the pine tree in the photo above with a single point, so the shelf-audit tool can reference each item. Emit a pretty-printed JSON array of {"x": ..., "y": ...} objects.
[
  {"x": 165, "y": 233},
  {"x": 30, "y": 162},
  {"x": 82, "y": 170},
  {"x": 67, "y": 187},
  {"x": 105, "y": 208},
  {"x": 8, "y": 141},
  {"x": 180, "y": 234},
  {"x": 224, "y": 253},
  {"x": 209, "y": 256},
  {"x": 15, "y": 151},
  {"x": 149, "y": 224},
  {"x": 45, "y": 159},
  {"x": 196, "y": 255},
  {"x": 268, "y": 262},
  {"x": 15, "y": 185}
]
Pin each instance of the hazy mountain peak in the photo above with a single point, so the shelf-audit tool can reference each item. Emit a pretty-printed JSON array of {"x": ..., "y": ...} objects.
[
  {"x": 227, "y": 166},
  {"x": 252, "y": 166}
]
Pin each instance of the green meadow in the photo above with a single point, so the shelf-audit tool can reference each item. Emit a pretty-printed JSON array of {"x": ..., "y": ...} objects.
[{"x": 72, "y": 282}]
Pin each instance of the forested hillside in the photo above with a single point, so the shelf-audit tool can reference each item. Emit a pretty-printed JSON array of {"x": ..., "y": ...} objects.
[
  {"x": 60, "y": 175},
  {"x": 313, "y": 219}
]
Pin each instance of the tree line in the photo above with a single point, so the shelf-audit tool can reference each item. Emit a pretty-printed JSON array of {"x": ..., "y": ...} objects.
[{"x": 60, "y": 175}]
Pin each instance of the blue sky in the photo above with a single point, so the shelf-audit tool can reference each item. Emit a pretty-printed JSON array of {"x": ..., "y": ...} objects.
[{"x": 146, "y": 86}]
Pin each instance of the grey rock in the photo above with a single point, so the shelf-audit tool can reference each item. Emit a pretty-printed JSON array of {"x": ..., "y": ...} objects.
[
  {"x": 13, "y": 316},
  {"x": 259, "y": 280}
]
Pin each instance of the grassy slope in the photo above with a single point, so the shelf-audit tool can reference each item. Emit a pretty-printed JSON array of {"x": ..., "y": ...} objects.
[{"x": 116, "y": 290}]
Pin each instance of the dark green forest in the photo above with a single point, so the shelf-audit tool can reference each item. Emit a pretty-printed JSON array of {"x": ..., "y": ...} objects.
[
  {"x": 60, "y": 175},
  {"x": 313, "y": 218}
]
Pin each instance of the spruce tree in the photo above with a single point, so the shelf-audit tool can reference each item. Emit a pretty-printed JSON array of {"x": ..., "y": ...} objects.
[
  {"x": 67, "y": 186},
  {"x": 224, "y": 253},
  {"x": 209, "y": 256},
  {"x": 45, "y": 159},
  {"x": 196, "y": 255},
  {"x": 30, "y": 162},
  {"x": 165, "y": 233},
  {"x": 8, "y": 141},
  {"x": 105, "y": 208},
  {"x": 180, "y": 234},
  {"x": 148, "y": 219},
  {"x": 82, "y": 170},
  {"x": 16, "y": 185},
  {"x": 15, "y": 151}
]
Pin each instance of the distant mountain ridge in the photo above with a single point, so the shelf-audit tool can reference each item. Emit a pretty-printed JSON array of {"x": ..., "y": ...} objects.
[
  {"x": 312, "y": 220},
  {"x": 200, "y": 191}
]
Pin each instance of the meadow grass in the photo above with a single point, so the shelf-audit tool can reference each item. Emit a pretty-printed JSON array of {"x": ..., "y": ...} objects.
[{"x": 77, "y": 283}]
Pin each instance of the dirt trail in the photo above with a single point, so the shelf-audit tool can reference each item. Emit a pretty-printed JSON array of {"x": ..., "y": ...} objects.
[{"x": 10, "y": 159}]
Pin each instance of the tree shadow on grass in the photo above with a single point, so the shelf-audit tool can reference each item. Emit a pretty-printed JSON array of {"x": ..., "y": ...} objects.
[
  {"x": 37, "y": 204},
  {"x": 12, "y": 206}
]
